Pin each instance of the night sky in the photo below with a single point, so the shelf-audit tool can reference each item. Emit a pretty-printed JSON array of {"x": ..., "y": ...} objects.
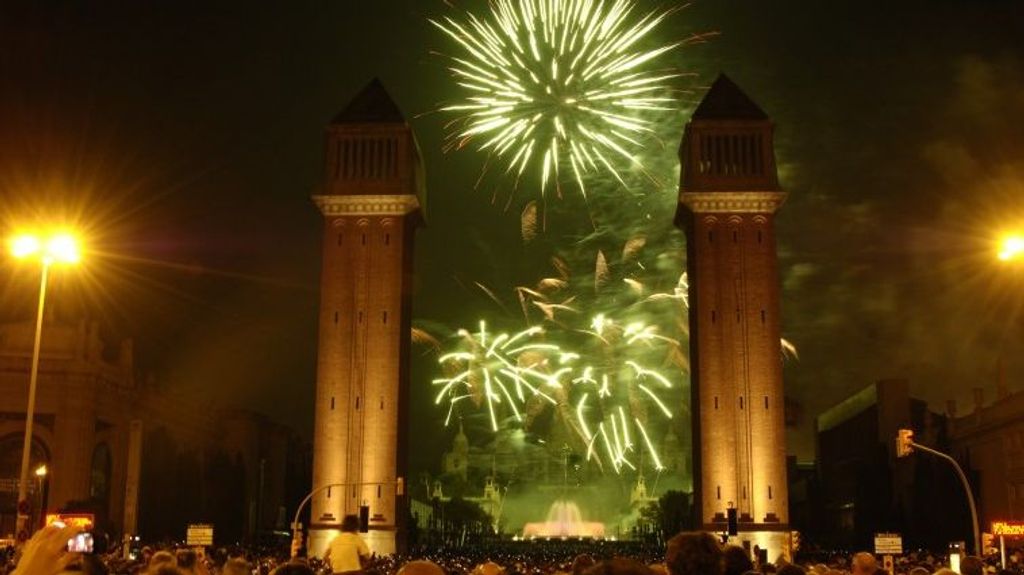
[{"x": 186, "y": 138}]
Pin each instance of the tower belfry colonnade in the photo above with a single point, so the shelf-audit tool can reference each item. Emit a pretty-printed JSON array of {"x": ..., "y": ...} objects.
[
  {"x": 729, "y": 193},
  {"x": 370, "y": 202}
]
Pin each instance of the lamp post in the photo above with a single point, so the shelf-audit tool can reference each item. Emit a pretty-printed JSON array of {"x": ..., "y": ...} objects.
[
  {"x": 40, "y": 473},
  {"x": 905, "y": 445},
  {"x": 55, "y": 249}
]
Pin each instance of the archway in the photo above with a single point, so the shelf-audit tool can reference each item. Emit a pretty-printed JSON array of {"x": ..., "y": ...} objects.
[{"x": 10, "y": 470}]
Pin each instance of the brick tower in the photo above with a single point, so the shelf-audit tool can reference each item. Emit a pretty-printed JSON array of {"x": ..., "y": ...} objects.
[
  {"x": 371, "y": 208},
  {"x": 729, "y": 193}
]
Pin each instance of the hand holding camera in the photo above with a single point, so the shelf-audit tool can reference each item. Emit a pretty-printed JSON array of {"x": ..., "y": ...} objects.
[{"x": 47, "y": 552}]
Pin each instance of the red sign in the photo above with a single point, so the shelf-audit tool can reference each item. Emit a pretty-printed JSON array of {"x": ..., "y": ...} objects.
[
  {"x": 1008, "y": 528},
  {"x": 83, "y": 520}
]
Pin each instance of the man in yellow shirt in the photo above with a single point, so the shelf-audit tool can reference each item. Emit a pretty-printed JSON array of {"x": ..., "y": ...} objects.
[{"x": 347, "y": 551}]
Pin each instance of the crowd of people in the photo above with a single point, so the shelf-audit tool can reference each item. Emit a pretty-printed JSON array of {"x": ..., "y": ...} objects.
[{"x": 689, "y": 553}]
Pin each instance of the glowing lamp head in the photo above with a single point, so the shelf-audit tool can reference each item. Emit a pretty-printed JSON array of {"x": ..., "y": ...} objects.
[
  {"x": 1011, "y": 248},
  {"x": 41, "y": 471},
  {"x": 59, "y": 248},
  {"x": 63, "y": 248},
  {"x": 24, "y": 246}
]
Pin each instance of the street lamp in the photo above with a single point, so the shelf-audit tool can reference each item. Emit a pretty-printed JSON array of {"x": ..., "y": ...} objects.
[
  {"x": 1011, "y": 247},
  {"x": 40, "y": 473},
  {"x": 59, "y": 248}
]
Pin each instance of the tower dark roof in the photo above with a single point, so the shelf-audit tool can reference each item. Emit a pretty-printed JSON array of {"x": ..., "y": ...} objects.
[
  {"x": 371, "y": 106},
  {"x": 725, "y": 101}
]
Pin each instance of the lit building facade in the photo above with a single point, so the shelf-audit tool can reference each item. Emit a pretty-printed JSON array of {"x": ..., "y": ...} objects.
[
  {"x": 81, "y": 429},
  {"x": 143, "y": 460},
  {"x": 729, "y": 193},
  {"x": 989, "y": 443},
  {"x": 371, "y": 208}
]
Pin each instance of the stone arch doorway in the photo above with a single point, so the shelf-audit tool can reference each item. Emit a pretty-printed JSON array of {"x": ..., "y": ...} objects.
[{"x": 10, "y": 469}]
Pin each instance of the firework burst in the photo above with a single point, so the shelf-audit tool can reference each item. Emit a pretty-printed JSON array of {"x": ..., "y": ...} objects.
[
  {"x": 496, "y": 368},
  {"x": 597, "y": 374},
  {"x": 557, "y": 84},
  {"x": 616, "y": 393}
]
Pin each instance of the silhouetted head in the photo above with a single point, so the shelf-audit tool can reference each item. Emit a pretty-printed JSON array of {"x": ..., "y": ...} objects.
[
  {"x": 581, "y": 563},
  {"x": 488, "y": 568},
  {"x": 350, "y": 524},
  {"x": 694, "y": 553},
  {"x": 291, "y": 568},
  {"x": 186, "y": 559},
  {"x": 791, "y": 569},
  {"x": 162, "y": 557},
  {"x": 863, "y": 564},
  {"x": 421, "y": 567},
  {"x": 236, "y": 566},
  {"x": 619, "y": 566},
  {"x": 971, "y": 565},
  {"x": 737, "y": 562}
]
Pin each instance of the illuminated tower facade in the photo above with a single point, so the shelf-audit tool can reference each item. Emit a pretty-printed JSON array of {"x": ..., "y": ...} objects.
[
  {"x": 370, "y": 202},
  {"x": 729, "y": 194}
]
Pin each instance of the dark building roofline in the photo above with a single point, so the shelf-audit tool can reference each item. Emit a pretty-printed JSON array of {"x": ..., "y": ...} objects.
[
  {"x": 725, "y": 101},
  {"x": 373, "y": 105}
]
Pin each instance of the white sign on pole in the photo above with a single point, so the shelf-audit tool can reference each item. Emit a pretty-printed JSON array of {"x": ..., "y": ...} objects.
[
  {"x": 199, "y": 535},
  {"x": 888, "y": 544}
]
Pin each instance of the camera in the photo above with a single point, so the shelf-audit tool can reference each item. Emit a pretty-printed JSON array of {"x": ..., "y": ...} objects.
[{"x": 81, "y": 543}]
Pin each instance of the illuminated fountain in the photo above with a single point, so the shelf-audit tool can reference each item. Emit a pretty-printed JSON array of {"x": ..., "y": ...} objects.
[{"x": 564, "y": 520}]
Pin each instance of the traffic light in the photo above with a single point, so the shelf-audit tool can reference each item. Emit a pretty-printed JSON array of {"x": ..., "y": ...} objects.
[
  {"x": 988, "y": 543},
  {"x": 904, "y": 442},
  {"x": 734, "y": 527},
  {"x": 364, "y": 518}
]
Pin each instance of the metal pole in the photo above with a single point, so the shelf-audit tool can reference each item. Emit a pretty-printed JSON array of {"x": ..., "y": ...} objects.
[
  {"x": 26, "y": 446},
  {"x": 967, "y": 487},
  {"x": 1002, "y": 551}
]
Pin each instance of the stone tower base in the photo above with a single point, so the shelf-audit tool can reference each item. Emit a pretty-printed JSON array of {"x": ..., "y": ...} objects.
[
  {"x": 778, "y": 543},
  {"x": 381, "y": 542}
]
